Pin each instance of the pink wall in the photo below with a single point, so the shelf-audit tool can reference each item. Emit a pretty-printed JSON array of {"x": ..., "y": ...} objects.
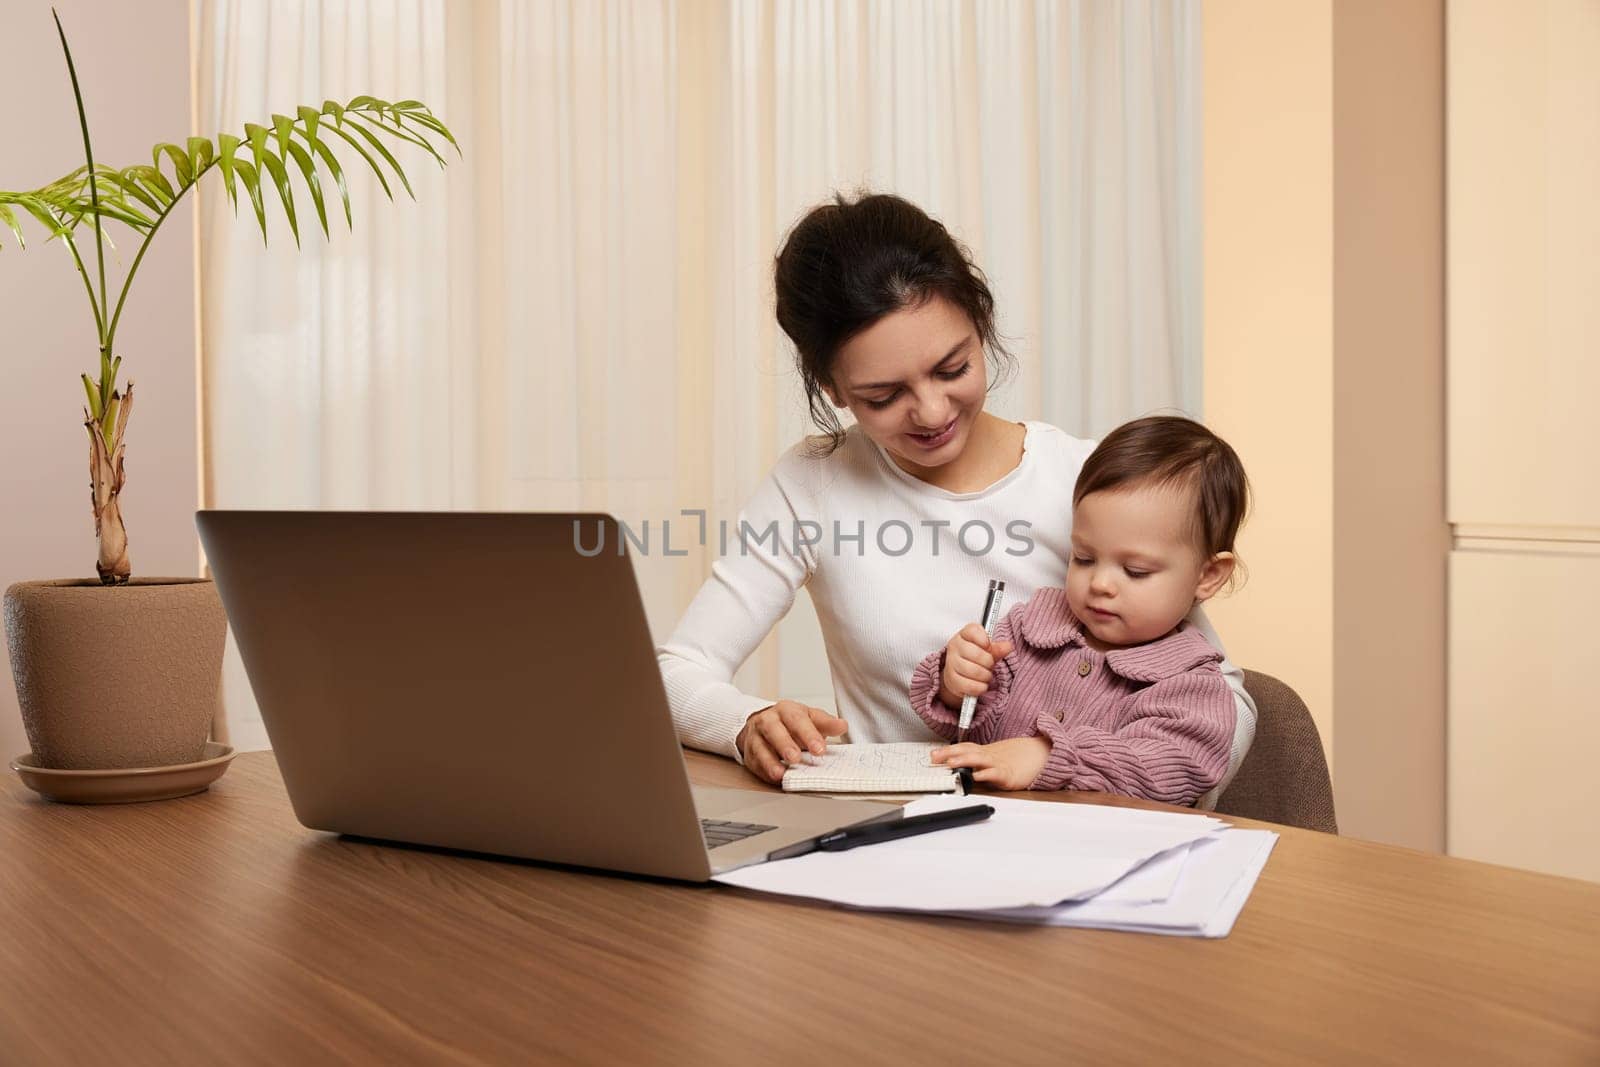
[{"x": 133, "y": 64}]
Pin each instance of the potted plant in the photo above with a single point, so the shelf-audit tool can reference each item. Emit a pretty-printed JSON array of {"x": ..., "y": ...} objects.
[{"x": 118, "y": 671}]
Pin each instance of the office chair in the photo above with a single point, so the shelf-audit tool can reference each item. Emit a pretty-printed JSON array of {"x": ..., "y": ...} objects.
[{"x": 1284, "y": 777}]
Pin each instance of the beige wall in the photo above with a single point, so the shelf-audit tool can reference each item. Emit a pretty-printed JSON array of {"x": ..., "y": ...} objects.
[
  {"x": 1267, "y": 204},
  {"x": 1323, "y": 278},
  {"x": 133, "y": 63}
]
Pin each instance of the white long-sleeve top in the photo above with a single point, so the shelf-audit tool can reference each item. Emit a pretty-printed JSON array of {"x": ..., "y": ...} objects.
[{"x": 894, "y": 567}]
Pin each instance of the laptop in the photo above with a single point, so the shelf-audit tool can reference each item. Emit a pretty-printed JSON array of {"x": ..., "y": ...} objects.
[{"x": 475, "y": 681}]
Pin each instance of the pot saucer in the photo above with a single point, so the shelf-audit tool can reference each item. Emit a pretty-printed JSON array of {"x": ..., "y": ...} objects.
[{"x": 112, "y": 786}]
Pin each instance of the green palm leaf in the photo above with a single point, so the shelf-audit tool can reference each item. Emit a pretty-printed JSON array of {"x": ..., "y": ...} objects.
[
  {"x": 281, "y": 125},
  {"x": 252, "y": 186},
  {"x": 332, "y": 163},
  {"x": 9, "y": 217},
  {"x": 378, "y": 147},
  {"x": 227, "y": 144},
  {"x": 271, "y": 166},
  {"x": 154, "y": 182},
  {"x": 40, "y": 207},
  {"x": 75, "y": 210},
  {"x": 364, "y": 154},
  {"x": 120, "y": 185},
  {"x": 141, "y": 196},
  {"x": 183, "y": 170},
  {"x": 308, "y": 170},
  {"x": 200, "y": 153},
  {"x": 428, "y": 121},
  {"x": 375, "y": 119}
]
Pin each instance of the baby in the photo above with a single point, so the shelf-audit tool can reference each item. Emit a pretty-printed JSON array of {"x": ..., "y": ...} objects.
[{"x": 1102, "y": 685}]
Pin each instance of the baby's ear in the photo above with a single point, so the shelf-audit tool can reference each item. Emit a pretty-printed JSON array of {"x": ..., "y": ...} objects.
[{"x": 1214, "y": 575}]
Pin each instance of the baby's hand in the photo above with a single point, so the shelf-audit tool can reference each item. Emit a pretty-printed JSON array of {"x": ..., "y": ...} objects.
[
  {"x": 969, "y": 661},
  {"x": 1007, "y": 765}
]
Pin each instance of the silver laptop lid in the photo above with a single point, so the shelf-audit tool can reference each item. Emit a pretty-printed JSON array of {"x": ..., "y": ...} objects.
[{"x": 464, "y": 680}]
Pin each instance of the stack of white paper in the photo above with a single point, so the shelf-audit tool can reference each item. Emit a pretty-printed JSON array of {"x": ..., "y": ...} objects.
[{"x": 1056, "y": 864}]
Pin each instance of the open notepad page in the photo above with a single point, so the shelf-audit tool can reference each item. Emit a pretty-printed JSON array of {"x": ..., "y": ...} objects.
[{"x": 897, "y": 767}]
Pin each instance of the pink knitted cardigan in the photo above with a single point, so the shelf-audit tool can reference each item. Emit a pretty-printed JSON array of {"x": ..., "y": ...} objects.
[{"x": 1152, "y": 720}]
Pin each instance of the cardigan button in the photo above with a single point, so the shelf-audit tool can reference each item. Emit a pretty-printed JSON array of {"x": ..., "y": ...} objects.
[
  {"x": 1060, "y": 716},
  {"x": 1084, "y": 668}
]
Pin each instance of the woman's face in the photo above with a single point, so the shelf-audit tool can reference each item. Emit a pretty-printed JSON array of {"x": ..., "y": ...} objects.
[{"x": 915, "y": 382}]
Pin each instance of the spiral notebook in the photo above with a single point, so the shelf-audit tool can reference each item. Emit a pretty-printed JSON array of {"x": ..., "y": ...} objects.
[{"x": 895, "y": 767}]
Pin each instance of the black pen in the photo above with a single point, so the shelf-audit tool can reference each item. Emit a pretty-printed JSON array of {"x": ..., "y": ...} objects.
[
  {"x": 990, "y": 616},
  {"x": 889, "y": 830}
]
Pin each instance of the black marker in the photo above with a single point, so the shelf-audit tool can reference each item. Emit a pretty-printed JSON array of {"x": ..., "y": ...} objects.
[{"x": 888, "y": 830}]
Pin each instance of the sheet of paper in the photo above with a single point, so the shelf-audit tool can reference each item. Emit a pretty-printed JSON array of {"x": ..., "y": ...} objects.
[
  {"x": 1218, "y": 874},
  {"x": 1151, "y": 882},
  {"x": 1221, "y": 922},
  {"x": 1027, "y": 854}
]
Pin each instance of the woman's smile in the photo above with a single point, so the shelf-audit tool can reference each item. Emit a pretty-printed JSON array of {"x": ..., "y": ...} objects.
[{"x": 938, "y": 438}]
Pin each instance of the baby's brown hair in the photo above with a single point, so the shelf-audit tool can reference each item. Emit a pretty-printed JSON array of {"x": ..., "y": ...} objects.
[{"x": 1172, "y": 450}]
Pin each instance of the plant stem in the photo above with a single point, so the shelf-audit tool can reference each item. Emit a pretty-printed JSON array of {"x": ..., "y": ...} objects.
[
  {"x": 127, "y": 283},
  {"x": 88, "y": 286},
  {"x": 94, "y": 185}
]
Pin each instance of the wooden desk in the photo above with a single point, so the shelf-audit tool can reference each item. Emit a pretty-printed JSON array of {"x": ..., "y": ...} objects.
[{"x": 216, "y": 929}]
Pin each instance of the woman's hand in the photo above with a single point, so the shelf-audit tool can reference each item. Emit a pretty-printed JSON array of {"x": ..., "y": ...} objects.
[
  {"x": 774, "y": 737},
  {"x": 1007, "y": 765},
  {"x": 969, "y": 661}
]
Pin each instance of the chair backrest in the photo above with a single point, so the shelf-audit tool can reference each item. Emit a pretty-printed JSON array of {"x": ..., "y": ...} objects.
[{"x": 1284, "y": 777}]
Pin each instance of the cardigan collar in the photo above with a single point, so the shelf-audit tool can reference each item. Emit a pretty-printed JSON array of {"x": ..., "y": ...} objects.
[{"x": 1046, "y": 622}]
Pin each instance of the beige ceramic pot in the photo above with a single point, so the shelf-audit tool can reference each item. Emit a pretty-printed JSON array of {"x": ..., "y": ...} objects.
[{"x": 116, "y": 676}]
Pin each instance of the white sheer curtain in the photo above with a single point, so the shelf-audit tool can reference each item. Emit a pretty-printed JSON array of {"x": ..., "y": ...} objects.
[{"x": 578, "y": 313}]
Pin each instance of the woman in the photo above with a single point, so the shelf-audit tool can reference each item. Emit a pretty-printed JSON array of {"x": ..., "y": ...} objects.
[{"x": 895, "y": 525}]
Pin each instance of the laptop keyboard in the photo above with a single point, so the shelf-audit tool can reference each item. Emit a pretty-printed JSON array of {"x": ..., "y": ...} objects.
[{"x": 720, "y": 832}]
